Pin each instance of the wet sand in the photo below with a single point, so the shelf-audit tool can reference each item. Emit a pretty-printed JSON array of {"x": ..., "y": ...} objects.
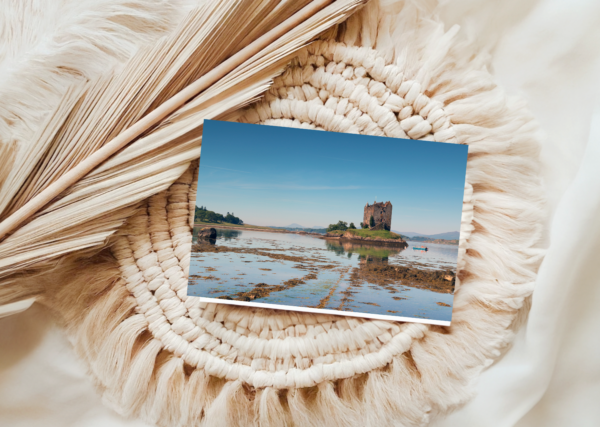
[
  {"x": 287, "y": 269},
  {"x": 379, "y": 274}
]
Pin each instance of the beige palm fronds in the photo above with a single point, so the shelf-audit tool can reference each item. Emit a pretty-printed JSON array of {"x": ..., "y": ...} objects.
[{"x": 115, "y": 141}]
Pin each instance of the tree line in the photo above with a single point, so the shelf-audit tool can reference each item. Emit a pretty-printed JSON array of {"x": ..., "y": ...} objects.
[
  {"x": 342, "y": 226},
  {"x": 430, "y": 240},
  {"x": 204, "y": 215}
]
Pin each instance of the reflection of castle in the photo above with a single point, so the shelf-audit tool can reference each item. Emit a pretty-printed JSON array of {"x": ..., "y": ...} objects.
[
  {"x": 368, "y": 259},
  {"x": 381, "y": 213},
  {"x": 367, "y": 254}
]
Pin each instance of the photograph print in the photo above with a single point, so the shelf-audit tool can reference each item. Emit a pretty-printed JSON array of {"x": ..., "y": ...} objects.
[{"x": 308, "y": 220}]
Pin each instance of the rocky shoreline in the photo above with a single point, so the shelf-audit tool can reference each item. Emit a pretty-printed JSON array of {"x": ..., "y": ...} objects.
[
  {"x": 346, "y": 237},
  {"x": 390, "y": 277}
]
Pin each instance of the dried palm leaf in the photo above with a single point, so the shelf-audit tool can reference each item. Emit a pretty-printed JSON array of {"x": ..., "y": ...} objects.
[{"x": 113, "y": 142}]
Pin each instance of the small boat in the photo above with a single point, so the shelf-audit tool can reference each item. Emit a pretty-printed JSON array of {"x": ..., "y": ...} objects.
[{"x": 420, "y": 248}]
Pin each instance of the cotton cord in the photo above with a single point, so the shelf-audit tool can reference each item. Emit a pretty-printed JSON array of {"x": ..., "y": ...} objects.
[{"x": 352, "y": 90}]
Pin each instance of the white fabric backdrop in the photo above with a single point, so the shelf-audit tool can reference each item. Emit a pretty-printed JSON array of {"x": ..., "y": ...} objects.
[{"x": 547, "y": 51}]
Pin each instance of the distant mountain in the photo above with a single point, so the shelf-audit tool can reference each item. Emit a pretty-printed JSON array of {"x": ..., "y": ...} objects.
[
  {"x": 408, "y": 233},
  {"x": 450, "y": 235},
  {"x": 298, "y": 227},
  {"x": 294, "y": 225}
]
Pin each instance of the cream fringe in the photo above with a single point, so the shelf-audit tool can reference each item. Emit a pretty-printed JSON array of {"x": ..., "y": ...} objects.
[{"x": 172, "y": 360}]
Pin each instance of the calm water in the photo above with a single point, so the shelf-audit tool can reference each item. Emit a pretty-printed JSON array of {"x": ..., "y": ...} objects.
[{"x": 335, "y": 275}]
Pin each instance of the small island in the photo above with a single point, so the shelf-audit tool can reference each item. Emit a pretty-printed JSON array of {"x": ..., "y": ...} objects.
[
  {"x": 382, "y": 237},
  {"x": 375, "y": 228}
]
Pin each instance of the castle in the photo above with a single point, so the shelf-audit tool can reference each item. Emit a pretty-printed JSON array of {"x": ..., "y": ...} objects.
[{"x": 382, "y": 214}]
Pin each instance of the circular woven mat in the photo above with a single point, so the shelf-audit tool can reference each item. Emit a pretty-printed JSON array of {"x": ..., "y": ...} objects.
[
  {"x": 339, "y": 88},
  {"x": 177, "y": 361}
]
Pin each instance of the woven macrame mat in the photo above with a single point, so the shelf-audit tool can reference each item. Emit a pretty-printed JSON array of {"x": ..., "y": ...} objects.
[{"x": 174, "y": 360}]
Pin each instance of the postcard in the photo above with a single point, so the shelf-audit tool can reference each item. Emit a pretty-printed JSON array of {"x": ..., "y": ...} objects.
[{"x": 325, "y": 222}]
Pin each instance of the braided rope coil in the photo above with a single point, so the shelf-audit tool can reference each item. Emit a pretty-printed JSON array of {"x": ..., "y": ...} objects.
[{"x": 352, "y": 90}]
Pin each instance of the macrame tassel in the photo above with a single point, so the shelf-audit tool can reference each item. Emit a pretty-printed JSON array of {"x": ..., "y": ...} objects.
[
  {"x": 136, "y": 388},
  {"x": 166, "y": 407},
  {"x": 450, "y": 392},
  {"x": 195, "y": 398},
  {"x": 388, "y": 392},
  {"x": 269, "y": 409},
  {"x": 377, "y": 397},
  {"x": 300, "y": 409},
  {"x": 115, "y": 356},
  {"x": 351, "y": 390},
  {"x": 320, "y": 406},
  {"x": 331, "y": 409},
  {"x": 102, "y": 319},
  {"x": 231, "y": 408}
]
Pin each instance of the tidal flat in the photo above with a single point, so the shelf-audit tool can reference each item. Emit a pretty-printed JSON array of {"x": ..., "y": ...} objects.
[{"x": 306, "y": 271}]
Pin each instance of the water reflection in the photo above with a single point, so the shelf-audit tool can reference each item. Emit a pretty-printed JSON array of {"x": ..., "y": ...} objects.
[
  {"x": 222, "y": 234},
  {"x": 228, "y": 235},
  {"x": 366, "y": 253},
  {"x": 305, "y": 271}
]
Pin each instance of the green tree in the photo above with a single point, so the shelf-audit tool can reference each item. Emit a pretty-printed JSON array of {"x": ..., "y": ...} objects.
[
  {"x": 232, "y": 219},
  {"x": 204, "y": 215},
  {"x": 341, "y": 225},
  {"x": 200, "y": 214},
  {"x": 351, "y": 226},
  {"x": 372, "y": 221},
  {"x": 211, "y": 216}
]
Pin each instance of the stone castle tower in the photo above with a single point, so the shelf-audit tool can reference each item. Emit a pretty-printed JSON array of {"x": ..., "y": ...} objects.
[{"x": 382, "y": 214}]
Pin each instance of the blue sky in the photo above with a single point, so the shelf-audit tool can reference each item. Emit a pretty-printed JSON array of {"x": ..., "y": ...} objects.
[{"x": 269, "y": 175}]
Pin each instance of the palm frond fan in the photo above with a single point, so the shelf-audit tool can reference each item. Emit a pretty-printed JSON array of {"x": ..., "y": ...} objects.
[{"x": 97, "y": 203}]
